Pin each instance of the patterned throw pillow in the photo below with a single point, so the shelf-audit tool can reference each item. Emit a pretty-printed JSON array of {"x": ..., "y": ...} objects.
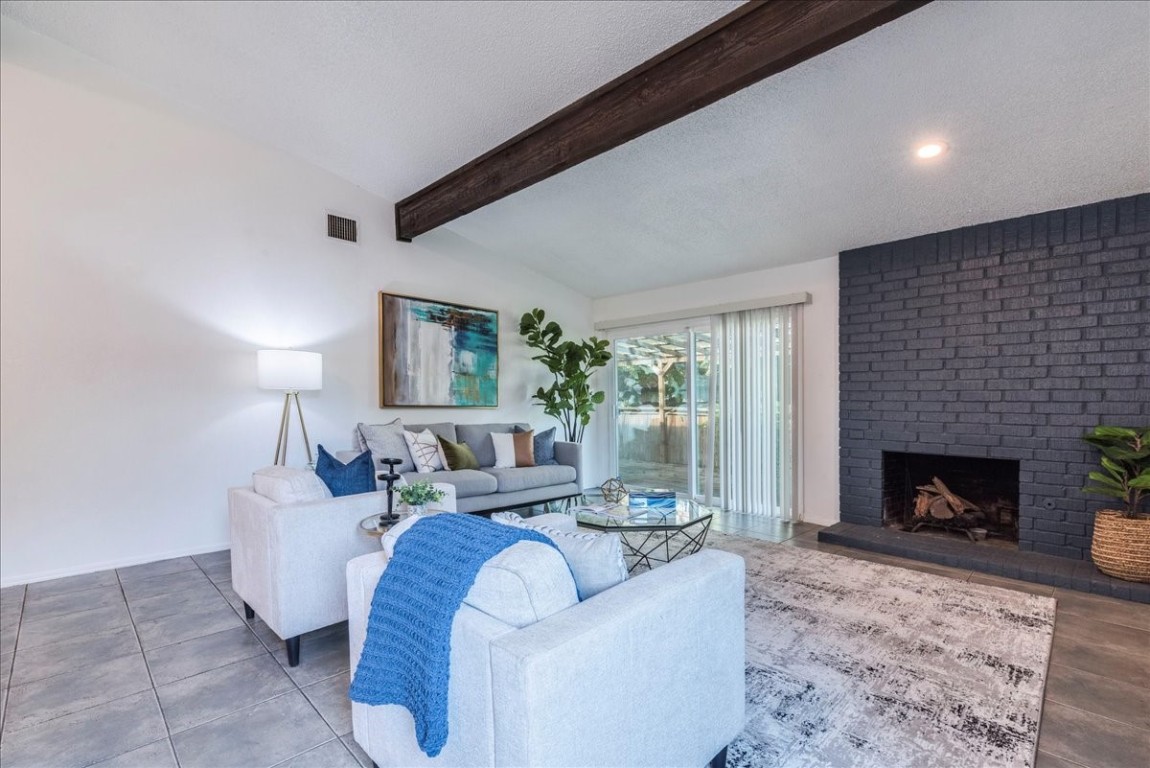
[
  {"x": 424, "y": 449},
  {"x": 356, "y": 476},
  {"x": 458, "y": 455}
]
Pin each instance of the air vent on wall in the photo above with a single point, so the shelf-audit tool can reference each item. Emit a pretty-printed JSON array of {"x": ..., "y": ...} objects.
[{"x": 341, "y": 228}]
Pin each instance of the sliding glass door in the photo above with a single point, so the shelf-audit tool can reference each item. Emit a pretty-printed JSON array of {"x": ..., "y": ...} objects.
[
  {"x": 712, "y": 407},
  {"x": 662, "y": 407}
]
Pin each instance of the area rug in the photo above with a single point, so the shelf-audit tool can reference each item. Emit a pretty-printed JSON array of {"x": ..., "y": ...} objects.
[{"x": 853, "y": 663}]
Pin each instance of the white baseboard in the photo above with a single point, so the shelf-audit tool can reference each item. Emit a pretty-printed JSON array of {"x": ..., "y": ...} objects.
[{"x": 60, "y": 573}]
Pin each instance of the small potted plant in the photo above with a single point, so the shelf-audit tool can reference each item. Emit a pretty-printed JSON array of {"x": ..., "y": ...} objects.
[
  {"x": 1121, "y": 545},
  {"x": 418, "y": 495}
]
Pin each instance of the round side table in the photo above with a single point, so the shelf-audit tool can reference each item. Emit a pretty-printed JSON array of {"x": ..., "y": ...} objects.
[{"x": 378, "y": 524}]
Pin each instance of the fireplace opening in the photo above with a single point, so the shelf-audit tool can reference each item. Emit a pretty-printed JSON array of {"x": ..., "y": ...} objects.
[{"x": 954, "y": 495}]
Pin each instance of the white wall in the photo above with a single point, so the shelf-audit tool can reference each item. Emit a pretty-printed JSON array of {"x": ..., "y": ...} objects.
[
  {"x": 820, "y": 356},
  {"x": 144, "y": 259}
]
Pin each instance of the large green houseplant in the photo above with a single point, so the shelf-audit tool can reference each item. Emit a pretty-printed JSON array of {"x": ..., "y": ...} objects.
[
  {"x": 570, "y": 398},
  {"x": 1121, "y": 544}
]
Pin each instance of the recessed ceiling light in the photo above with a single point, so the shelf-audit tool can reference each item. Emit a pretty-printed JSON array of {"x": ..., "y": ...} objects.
[{"x": 933, "y": 149}]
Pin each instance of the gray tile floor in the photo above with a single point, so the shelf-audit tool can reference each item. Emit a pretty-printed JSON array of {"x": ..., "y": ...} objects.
[{"x": 154, "y": 666}]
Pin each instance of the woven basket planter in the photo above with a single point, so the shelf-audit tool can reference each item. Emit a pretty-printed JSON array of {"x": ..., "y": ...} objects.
[{"x": 1121, "y": 546}]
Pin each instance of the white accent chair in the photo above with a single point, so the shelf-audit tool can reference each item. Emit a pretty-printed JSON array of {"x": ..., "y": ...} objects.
[
  {"x": 646, "y": 673},
  {"x": 290, "y": 544}
]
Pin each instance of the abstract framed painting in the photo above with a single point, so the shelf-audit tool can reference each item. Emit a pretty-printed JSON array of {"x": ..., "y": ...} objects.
[{"x": 437, "y": 354}]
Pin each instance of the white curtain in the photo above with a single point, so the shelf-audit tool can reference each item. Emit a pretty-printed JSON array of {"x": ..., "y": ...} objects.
[{"x": 756, "y": 378}]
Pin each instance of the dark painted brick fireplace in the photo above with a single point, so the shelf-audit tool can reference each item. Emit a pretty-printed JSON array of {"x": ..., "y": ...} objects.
[{"x": 1007, "y": 341}]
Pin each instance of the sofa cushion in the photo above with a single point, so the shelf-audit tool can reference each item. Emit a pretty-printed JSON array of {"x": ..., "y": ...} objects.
[
  {"x": 457, "y": 455},
  {"x": 348, "y": 479},
  {"x": 467, "y": 482},
  {"x": 385, "y": 441},
  {"x": 525, "y": 478},
  {"x": 523, "y": 584},
  {"x": 596, "y": 559},
  {"x": 478, "y": 437},
  {"x": 289, "y": 485},
  {"x": 444, "y": 429}
]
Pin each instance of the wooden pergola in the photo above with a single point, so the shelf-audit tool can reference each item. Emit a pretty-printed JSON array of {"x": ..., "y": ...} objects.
[{"x": 660, "y": 354}]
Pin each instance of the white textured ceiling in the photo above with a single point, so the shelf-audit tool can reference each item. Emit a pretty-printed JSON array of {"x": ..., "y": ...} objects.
[
  {"x": 390, "y": 95},
  {"x": 1045, "y": 105}
]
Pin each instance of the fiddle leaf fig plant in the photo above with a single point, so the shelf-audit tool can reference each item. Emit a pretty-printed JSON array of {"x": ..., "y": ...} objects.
[
  {"x": 570, "y": 398},
  {"x": 1125, "y": 464}
]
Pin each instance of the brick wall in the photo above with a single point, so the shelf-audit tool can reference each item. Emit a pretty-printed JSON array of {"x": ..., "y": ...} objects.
[{"x": 1003, "y": 340}]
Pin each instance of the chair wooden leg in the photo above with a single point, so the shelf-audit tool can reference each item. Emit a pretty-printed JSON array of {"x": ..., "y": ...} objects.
[
  {"x": 292, "y": 644},
  {"x": 719, "y": 760},
  {"x": 249, "y": 614}
]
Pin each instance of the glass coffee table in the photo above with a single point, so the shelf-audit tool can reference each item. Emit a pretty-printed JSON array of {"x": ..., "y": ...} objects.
[{"x": 651, "y": 537}]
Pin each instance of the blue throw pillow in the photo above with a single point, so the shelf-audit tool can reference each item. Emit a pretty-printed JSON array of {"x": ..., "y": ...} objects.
[
  {"x": 356, "y": 476},
  {"x": 544, "y": 447}
]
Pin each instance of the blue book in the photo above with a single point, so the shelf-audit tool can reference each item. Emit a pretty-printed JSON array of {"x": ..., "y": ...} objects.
[{"x": 654, "y": 500}]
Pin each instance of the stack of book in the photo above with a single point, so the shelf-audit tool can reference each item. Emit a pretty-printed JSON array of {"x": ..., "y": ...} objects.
[{"x": 657, "y": 499}]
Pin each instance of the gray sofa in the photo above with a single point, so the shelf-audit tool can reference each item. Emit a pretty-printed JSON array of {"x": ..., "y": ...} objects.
[{"x": 488, "y": 489}]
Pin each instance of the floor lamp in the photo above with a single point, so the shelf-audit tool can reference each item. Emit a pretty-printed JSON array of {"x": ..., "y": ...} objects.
[{"x": 291, "y": 372}]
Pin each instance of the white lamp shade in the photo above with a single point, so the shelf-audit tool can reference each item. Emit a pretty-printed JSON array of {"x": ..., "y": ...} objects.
[{"x": 289, "y": 370}]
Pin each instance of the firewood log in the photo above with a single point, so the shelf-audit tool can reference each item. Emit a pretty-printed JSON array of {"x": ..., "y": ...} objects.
[
  {"x": 940, "y": 508},
  {"x": 956, "y": 502}
]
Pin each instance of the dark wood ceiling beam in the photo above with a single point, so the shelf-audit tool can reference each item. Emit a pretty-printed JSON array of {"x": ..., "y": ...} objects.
[{"x": 755, "y": 41}]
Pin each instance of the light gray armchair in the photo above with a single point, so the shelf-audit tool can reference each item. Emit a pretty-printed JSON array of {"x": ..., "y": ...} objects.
[
  {"x": 646, "y": 673},
  {"x": 289, "y": 554}
]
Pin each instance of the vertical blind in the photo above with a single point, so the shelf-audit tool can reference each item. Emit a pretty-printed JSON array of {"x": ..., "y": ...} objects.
[{"x": 756, "y": 377}]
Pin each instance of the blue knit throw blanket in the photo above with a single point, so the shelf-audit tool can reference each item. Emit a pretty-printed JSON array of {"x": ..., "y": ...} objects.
[{"x": 406, "y": 657}]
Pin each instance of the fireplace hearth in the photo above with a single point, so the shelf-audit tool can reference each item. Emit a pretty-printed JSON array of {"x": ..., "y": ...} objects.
[{"x": 972, "y": 497}]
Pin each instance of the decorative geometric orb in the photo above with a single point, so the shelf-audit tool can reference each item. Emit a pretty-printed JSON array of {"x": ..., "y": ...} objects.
[{"x": 613, "y": 490}]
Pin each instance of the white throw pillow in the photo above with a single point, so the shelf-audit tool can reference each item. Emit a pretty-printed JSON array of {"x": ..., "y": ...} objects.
[
  {"x": 523, "y": 584},
  {"x": 519, "y": 586},
  {"x": 289, "y": 485},
  {"x": 504, "y": 443},
  {"x": 425, "y": 451},
  {"x": 596, "y": 559}
]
